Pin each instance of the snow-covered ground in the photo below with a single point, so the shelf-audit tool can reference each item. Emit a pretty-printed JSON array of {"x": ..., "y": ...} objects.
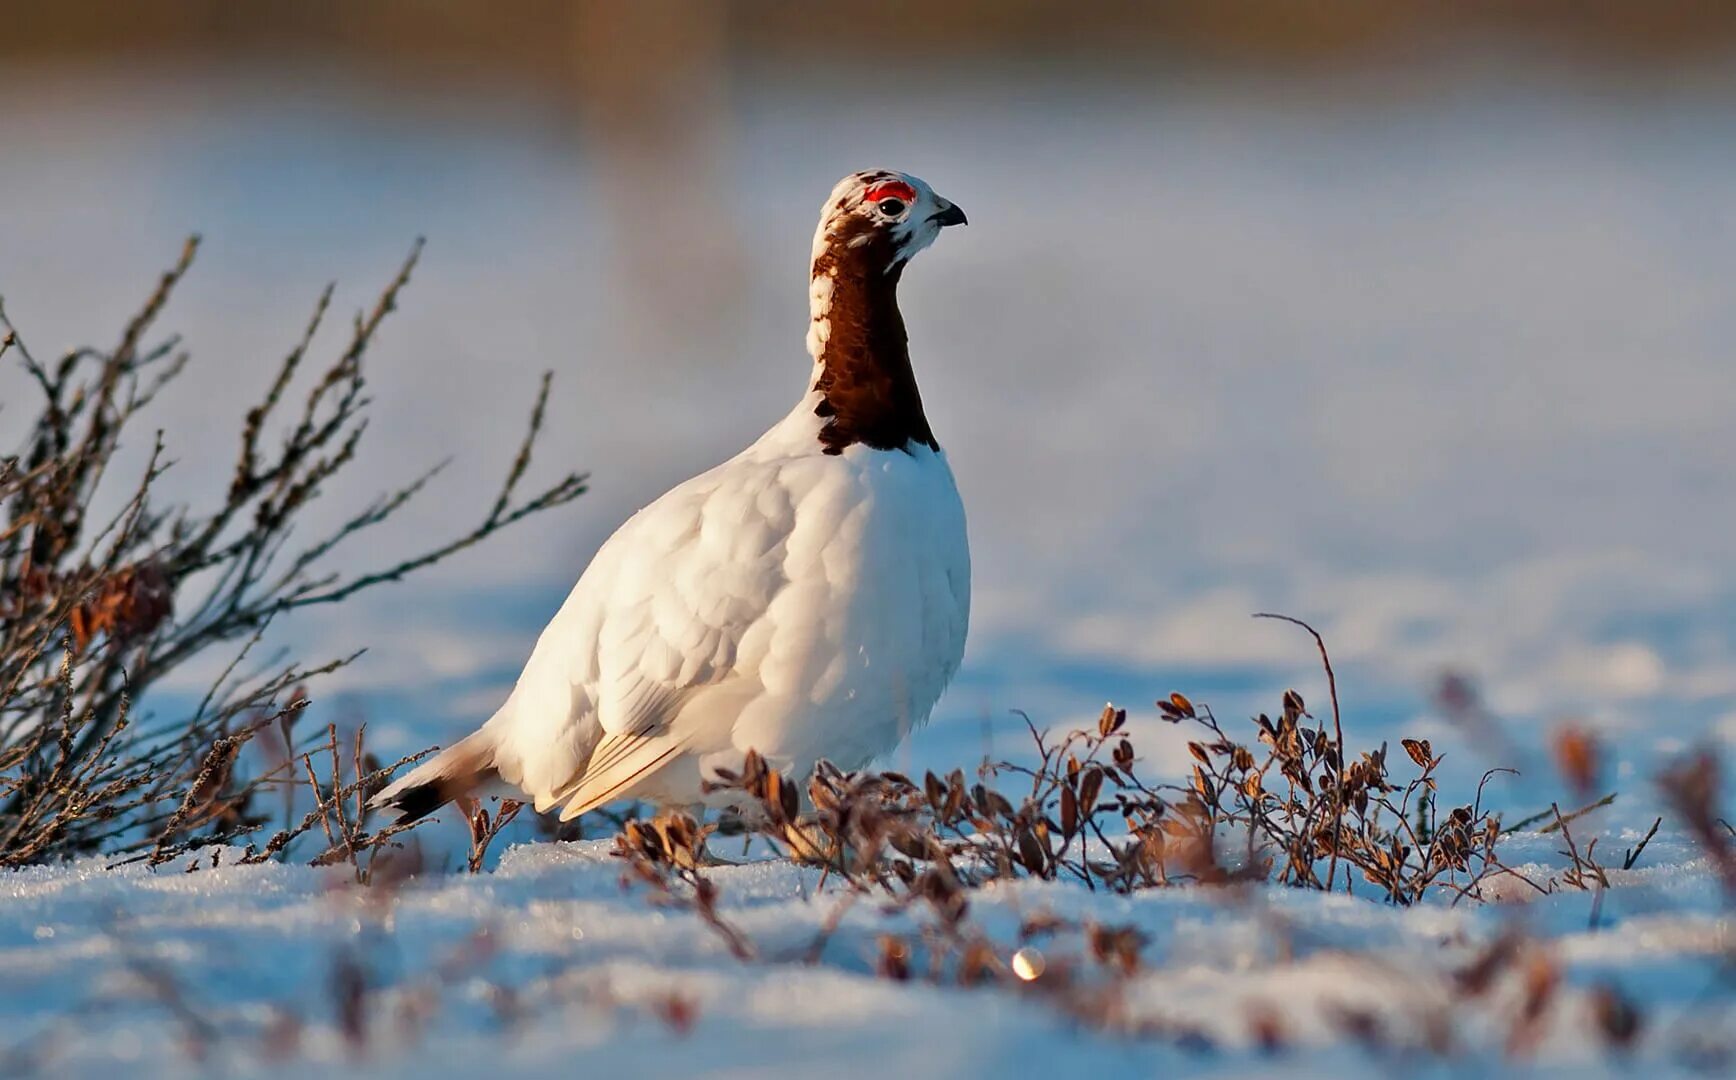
[
  {"x": 548, "y": 966},
  {"x": 1441, "y": 366}
]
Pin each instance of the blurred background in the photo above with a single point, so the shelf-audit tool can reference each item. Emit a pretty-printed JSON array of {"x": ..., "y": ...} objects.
[{"x": 1412, "y": 320}]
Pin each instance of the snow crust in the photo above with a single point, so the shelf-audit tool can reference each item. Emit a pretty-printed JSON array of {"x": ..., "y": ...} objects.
[{"x": 547, "y": 966}]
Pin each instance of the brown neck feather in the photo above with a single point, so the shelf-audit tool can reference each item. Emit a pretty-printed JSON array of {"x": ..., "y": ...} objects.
[{"x": 867, "y": 388}]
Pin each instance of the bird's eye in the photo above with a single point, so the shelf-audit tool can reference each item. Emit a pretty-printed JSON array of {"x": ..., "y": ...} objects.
[{"x": 891, "y": 207}]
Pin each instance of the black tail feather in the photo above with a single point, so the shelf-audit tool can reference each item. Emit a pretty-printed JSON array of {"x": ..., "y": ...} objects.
[
  {"x": 452, "y": 774},
  {"x": 418, "y": 802}
]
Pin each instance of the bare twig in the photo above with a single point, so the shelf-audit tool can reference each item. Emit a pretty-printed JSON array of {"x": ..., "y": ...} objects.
[
  {"x": 142, "y": 594},
  {"x": 1337, "y": 730}
]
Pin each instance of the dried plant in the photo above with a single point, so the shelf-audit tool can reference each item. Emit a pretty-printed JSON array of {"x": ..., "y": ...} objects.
[
  {"x": 1287, "y": 805},
  {"x": 666, "y": 854},
  {"x": 93, "y": 613},
  {"x": 1284, "y": 807},
  {"x": 484, "y": 827}
]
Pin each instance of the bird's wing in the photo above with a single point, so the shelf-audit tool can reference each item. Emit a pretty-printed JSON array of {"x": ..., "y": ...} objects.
[
  {"x": 622, "y": 758},
  {"x": 618, "y": 764},
  {"x": 687, "y": 579}
]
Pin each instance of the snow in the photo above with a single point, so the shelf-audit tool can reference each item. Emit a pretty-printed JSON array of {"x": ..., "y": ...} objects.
[
  {"x": 548, "y": 963},
  {"x": 1444, "y": 371}
]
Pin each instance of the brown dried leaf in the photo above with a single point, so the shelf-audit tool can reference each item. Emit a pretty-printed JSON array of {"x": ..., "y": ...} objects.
[
  {"x": 1089, "y": 788},
  {"x": 1618, "y": 1019},
  {"x": 677, "y": 1011},
  {"x": 1579, "y": 757},
  {"x": 753, "y": 773},
  {"x": 978, "y": 964},
  {"x": 1031, "y": 852},
  {"x": 935, "y": 789},
  {"x": 1419, "y": 751},
  {"x": 1123, "y": 755}
]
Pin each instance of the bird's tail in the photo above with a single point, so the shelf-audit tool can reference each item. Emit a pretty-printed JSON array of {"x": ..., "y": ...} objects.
[{"x": 452, "y": 773}]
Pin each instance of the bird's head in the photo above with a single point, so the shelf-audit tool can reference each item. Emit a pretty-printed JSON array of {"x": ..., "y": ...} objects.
[{"x": 882, "y": 217}]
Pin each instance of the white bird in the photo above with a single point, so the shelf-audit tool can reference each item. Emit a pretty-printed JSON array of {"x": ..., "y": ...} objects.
[{"x": 806, "y": 599}]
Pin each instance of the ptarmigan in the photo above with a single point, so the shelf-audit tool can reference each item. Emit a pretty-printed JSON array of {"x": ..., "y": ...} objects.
[{"x": 806, "y": 599}]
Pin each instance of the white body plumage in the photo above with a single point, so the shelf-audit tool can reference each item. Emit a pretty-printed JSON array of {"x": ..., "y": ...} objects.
[
  {"x": 799, "y": 604},
  {"x": 804, "y": 600}
]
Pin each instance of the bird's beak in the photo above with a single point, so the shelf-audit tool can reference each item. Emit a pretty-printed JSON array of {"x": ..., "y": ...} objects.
[{"x": 949, "y": 215}]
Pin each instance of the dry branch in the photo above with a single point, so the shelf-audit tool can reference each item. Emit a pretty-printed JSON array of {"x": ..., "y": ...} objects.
[{"x": 93, "y": 614}]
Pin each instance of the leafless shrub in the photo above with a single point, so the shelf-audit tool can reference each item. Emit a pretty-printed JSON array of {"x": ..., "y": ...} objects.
[{"x": 93, "y": 613}]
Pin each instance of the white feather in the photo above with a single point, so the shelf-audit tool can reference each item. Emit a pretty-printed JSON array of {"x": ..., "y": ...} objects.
[{"x": 801, "y": 604}]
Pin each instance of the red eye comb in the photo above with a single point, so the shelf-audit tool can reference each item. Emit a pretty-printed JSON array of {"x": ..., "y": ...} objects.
[{"x": 891, "y": 189}]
